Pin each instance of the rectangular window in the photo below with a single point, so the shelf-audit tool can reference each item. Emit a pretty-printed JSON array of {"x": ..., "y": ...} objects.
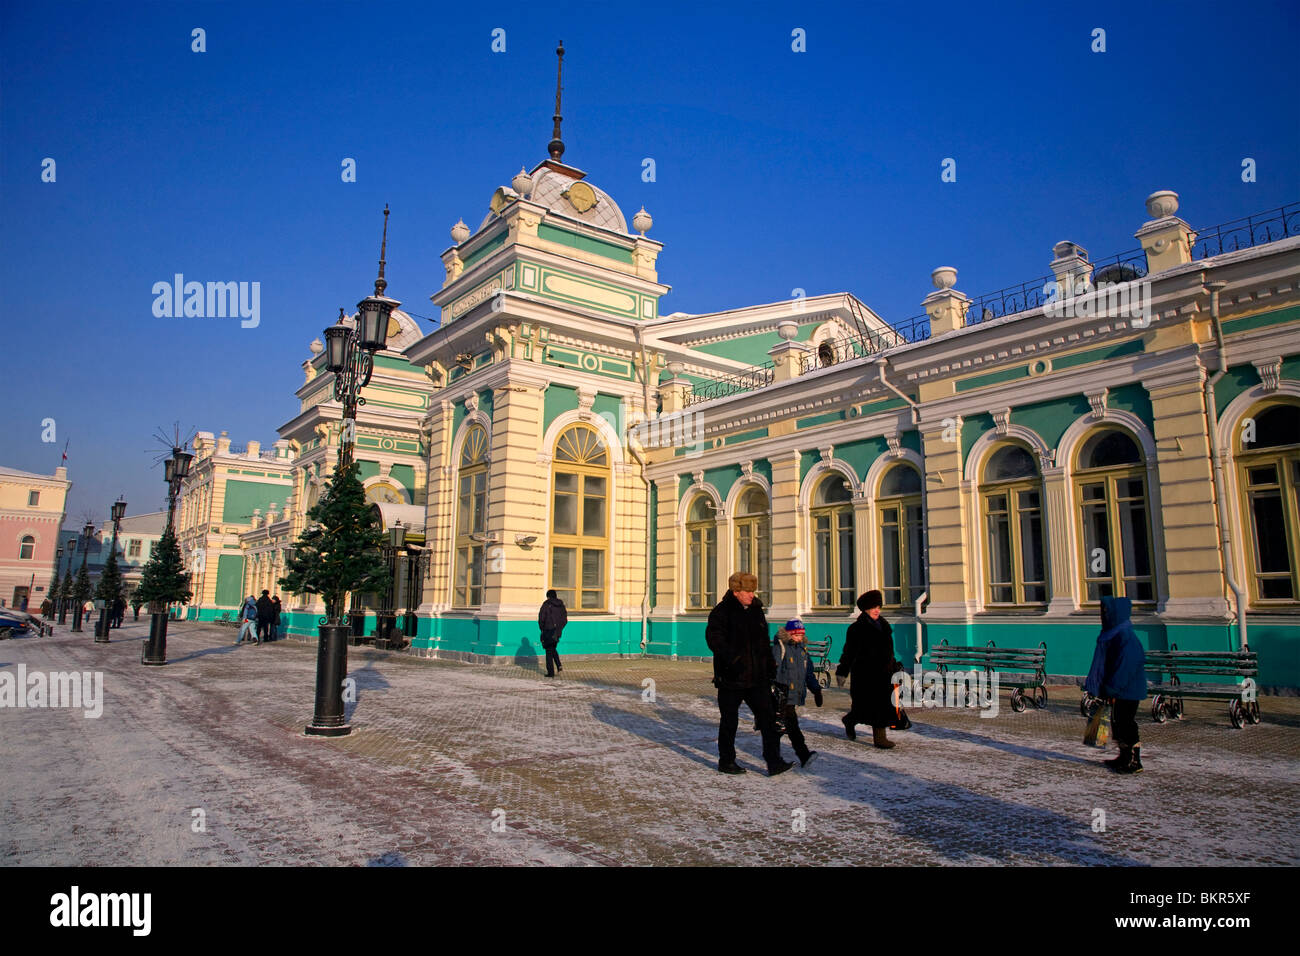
[
  {"x": 845, "y": 543},
  {"x": 593, "y": 579},
  {"x": 469, "y": 577},
  {"x": 593, "y": 506},
  {"x": 33, "y": 499},
  {"x": 566, "y": 504},
  {"x": 133, "y": 548},
  {"x": 915, "y": 551},
  {"x": 998, "y": 523},
  {"x": 564, "y": 568},
  {"x": 822, "y": 555}
]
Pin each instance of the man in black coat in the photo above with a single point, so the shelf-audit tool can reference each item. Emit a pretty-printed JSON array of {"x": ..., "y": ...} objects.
[
  {"x": 743, "y": 670},
  {"x": 868, "y": 660},
  {"x": 551, "y": 618},
  {"x": 275, "y": 618},
  {"x": 265, "y": 615}
]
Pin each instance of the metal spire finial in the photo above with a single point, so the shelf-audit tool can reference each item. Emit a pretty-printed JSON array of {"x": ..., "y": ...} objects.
[
  {"x": 556, "y": 146},
  {"x": 381, "y": 283}
]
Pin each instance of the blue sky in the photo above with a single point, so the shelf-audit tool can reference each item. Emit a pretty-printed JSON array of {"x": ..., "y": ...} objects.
[{"x": 775, "y": 170}]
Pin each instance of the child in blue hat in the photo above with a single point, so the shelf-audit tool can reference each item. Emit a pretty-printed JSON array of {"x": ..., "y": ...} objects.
[{"x": 794, "y": 678}]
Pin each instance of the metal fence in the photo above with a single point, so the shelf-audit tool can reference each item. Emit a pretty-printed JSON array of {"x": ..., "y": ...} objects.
[{"x": 1256, "y": 230}]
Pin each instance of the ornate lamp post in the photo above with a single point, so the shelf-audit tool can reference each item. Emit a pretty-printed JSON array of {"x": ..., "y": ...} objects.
[
  {"x": 175, "y": 470},
  {"x": 387, "y": 618},
  {"x": 414, "y": 575},
  {"x": 86, "y": 534},
  {"x": 349, "y": 354},
  {"x": 55, "y": 605},
  {"x": 105, "y": 613}
]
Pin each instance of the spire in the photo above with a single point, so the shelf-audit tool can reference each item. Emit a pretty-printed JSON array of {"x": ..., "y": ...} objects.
[
  {"x": 381, "y": 283},
  {"x": 556, "y": 145}
]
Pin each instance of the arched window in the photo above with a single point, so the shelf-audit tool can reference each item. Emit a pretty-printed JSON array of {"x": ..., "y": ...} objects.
[
  {"x": 898, "y": 515},
  {"x": 1114, "y": 520},
  {"x": 1011, "y": 498},
  {"x": 826, "y": 354},
  {"x": 753, "y": 521},
  {"x": 26, "y": 547},
  {"x": 471, "y": 519},
  {"x": 580, "y": 518},
  {"x": 701, "y": 554},
  {"x": 832, "y": 526},
  {"x": 1268, "y": 463}
]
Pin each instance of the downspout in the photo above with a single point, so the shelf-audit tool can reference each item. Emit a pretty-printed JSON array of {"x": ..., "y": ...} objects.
[
  {"x": 1212, "y": 421},
  {"x": 881, "y": 364},
  {"x": 650, "y": 518}
]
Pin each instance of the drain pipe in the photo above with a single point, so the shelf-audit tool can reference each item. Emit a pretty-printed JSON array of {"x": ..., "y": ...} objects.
[
  {"x": 1212, "y": 421},
  {"x": 916, "y": 612},
  {"x": 881, "y": 364},
  {"x": 651, "y": 519}
]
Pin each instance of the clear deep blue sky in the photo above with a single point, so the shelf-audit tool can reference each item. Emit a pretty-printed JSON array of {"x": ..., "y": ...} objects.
[{"x": 775, "y": 169}]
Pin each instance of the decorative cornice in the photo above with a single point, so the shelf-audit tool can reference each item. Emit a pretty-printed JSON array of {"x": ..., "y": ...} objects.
[{"x": 1270, "y": 373}]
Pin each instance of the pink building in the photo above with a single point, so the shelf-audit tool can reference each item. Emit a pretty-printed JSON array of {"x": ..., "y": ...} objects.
[{"x": 32, "y": 509}]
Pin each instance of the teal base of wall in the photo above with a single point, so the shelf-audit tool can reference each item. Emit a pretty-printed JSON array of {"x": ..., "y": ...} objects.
[{"x": 1070, "y": 641}]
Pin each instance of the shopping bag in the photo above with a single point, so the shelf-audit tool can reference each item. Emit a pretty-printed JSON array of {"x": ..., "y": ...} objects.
[{"x": 1098, "y": 732}]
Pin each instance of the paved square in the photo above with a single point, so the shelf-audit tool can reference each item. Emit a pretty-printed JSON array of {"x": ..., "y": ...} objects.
[{"x": 584, "y": 770}]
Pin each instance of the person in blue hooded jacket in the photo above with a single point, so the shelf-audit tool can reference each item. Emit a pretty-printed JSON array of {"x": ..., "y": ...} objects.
[{"x": 1118, "y": 674}]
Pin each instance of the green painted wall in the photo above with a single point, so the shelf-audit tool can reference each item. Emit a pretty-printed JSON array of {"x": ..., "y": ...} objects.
[
  {"x": 367, "y": 469},
  {"x": 1050, "y": 419},
  {"x": 242, "y": 497},
  {"x": 496, "y": 242},
  {"x": 560, "y": 399},
  {"x": 752, "y": 349},
  {"x": 406, "y": 475},
  {"x": 585, "y": 243},
  {"x": 230, "y": 580}
]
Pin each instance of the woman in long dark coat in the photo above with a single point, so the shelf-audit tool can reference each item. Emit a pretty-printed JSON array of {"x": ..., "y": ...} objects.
[{"x": 868, "y": 661}]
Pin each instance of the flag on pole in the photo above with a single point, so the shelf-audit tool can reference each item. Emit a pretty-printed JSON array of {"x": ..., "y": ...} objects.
[{"x": 65, "y": 450}]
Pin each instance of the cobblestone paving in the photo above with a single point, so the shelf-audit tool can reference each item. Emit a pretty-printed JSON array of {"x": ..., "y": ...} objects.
[{"x": 584, "y": 770}]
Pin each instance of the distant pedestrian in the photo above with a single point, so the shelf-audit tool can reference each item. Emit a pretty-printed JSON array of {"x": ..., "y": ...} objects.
[
  {"x": 119, "y": 611},
  {"x": 743, "y": 670},
  {"x": 794, "y": 678},
  {"x": 275, "y": 619},
  {"x": 47, "y": 608},
  {"x": 551, "y": 618},
  {"x": 265, "y": 615},
  {"x": 248, "y": 621},
  {"x": 1118, "y": 675},
  {"x": 868, "y": 662}
]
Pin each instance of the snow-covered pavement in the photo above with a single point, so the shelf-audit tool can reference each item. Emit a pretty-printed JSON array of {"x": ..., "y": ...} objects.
[{"x": 204, "y": 762}]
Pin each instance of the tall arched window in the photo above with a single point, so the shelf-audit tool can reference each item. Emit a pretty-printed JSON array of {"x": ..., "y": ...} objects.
[
  {"x": 26, "y": 547},
  {"x": 471, "y": 518},
  {"x": 1011, "y": 498},
  {"x": 753, "y": 521},
  {"x": 832, "y": 527},
  {"x": 1114, "y": 520},
  {"x": 580, "y": 518},
  {"x": 1268, "y": 468},
  {"x": 898, "y": 513},
  {"x": 701, "y": 554}
]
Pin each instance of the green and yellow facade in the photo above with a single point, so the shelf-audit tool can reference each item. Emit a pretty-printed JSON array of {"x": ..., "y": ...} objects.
[{"x": 994, "y": 478}]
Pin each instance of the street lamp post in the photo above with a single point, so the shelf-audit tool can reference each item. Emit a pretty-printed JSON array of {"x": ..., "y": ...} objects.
[
  {"x": 349, "y": 355},
  {"x": 414, "y": 575},
  {"x": 175, "y": 470},
  {"x": 56, "y": 605},
  {"x": 106, "y": 612},
  {"x": 86, "y": 533}
]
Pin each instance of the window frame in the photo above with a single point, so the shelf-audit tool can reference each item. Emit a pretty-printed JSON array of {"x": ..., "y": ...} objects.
[
  {"x": 581, "y": 543},
  {"x": 901, "y": 502},
  {"x": 1012, "y": 488},
  {"x": 1285, "y": 460},
  {"x": 758, "y": 524},
  {"x": 468, "y": 559},
  {"x": 701, "y": 599},
  {"x": 1109, "y": 477},
  {"x": 834, "y": 551}
]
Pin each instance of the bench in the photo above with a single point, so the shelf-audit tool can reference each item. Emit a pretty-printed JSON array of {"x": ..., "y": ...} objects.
[
  {"x": 819, "y": 659},
  {"x": 1167, "y": 696},
  {"x": 1021, "y": 668}
]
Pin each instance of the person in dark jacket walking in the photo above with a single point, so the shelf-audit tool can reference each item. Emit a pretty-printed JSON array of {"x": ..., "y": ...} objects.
[
  {"x": 794, "y": 678},
  {"x": 868, "y": 660},
  {"x": 265, "y": 614},
  {"x": 1118, "y": 674},
  {"x": 743, "y": 670},
  {"x": 551, "y": 619},
  {"x": 275, "y": 618},
  {"x": 119, "y": 611}
]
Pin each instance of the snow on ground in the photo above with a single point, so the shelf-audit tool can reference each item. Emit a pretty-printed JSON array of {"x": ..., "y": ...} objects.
[{"x": 583, "y": 770}]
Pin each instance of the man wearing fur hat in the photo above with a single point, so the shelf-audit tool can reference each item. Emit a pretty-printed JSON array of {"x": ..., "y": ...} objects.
[{"x": 743, "y": 670}]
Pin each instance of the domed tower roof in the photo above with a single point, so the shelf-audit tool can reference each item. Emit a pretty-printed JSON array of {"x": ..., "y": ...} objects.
[{"x": 564, "y": 190}]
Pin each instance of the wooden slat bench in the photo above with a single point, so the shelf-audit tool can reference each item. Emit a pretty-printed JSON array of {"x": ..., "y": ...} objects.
[
  {"x": 1021, "y": 668},
  {"x": 1167, "y": 695},
  {"x": 819, "y": 659}
]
